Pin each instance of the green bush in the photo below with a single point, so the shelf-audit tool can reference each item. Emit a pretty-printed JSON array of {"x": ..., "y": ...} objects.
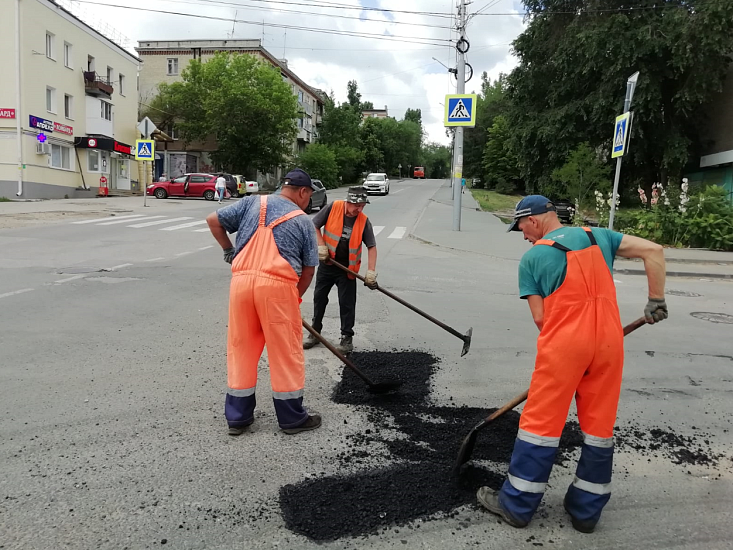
[
  {"x": 706, "y": 221},
  {"x": 320, "y": 162}
]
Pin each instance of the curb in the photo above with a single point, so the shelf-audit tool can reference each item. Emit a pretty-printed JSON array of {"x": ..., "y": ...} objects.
[
  {"x": 463, "y": 250},
  {"x": 687, "y": 274}
]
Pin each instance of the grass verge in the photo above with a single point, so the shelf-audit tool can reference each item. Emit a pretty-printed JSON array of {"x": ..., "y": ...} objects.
[
  {"x": 5, "y": 199},
  {"x": 491, "y": 201}
]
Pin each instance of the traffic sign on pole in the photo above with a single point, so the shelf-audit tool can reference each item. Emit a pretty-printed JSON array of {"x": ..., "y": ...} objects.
[
  {"x": 460, "y": 110},
  {"x": 620, "y": 134},
  {"x": 144, "y": 149}
]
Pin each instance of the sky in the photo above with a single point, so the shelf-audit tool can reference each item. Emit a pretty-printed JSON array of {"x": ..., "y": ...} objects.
[{"x": 391, "y": 60}]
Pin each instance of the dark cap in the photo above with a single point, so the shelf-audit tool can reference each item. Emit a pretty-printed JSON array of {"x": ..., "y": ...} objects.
[
  {"x": 531, "y": 205},
  {"x": 357, "y": 195},
  {"x": 299, "y": 178}
]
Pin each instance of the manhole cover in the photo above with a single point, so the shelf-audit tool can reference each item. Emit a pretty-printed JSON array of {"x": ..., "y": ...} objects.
[
  {"x": 78, "y": 270},
  {"x": 683, "y": 293},
  {"x": 713, "y": 317}
]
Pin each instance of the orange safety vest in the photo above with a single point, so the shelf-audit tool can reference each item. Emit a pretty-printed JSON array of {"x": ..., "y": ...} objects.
[{"x": 335, "y": 228}]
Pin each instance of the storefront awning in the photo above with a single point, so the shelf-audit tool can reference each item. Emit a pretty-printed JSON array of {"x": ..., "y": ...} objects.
[{"x": 103, "y": 144}]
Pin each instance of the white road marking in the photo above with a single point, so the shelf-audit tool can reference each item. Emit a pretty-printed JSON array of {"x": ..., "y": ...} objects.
[
  {"x": 155, "y": 259},
  {"x": 206, "y": 247},
  {"x": 183, "y": 226},
  {"x": 201, "y": 230},
  {"x": 159, "y": 222},
  {"x": 108, "y": 218},
  {"x": 74, "y": 278},
  {"x": 378, "y": 229},
  {"x": 128, "y": 221},
  {"x": 119, "y": 266},
  {"x": 15, "y": 292},
  {"x": 400, "y": 191},
  {"x": 617, "y": 281},
  {"x": 398, "y": 233},
  {"x": 183, "y": 254}
]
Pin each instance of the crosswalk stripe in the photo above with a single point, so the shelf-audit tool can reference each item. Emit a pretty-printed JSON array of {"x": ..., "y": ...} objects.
[
  {"x": 128, "y": 221},
  {"x": 159, "y": 222},
  {"x": 183, "y": 226},
  {"x": 398, "y": 233},
  {"x": 107, "y": 218},
  {"x": 201, "y": 230},
  {"x": 378, "y": 229}
]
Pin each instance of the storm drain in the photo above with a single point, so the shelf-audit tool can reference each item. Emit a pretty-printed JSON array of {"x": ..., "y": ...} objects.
[{"x": 713, "y": 317}]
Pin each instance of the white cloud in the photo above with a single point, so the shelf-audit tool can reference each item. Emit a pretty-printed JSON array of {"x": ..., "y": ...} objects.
[{"x": 399, "y": 74}]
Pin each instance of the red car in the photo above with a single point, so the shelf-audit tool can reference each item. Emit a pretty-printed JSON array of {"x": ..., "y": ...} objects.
[
  {"x": 188, "y": 185},
  {"x": 419, "y": 172}
]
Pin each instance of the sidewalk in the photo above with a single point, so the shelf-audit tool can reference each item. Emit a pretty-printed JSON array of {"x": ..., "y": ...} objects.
[{"x": 485, "y": 234}]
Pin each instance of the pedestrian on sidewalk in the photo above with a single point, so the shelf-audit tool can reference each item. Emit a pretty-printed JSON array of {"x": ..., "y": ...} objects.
[
  {"x": 566, "y": 278},
  {"x": 273, "y": 262},
  {"x": 346, "y": 229},
  {"x": 221, "y": 187}
]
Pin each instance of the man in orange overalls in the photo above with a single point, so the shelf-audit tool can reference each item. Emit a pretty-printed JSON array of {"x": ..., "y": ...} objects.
[
  {"x": 273, "y": 263},
  {"x": 566, "y": 278}
]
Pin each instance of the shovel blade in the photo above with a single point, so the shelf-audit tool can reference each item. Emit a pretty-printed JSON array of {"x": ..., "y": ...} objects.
[
  {"x": 467, "y": 342},
  {"x": 466, "y": 450}
]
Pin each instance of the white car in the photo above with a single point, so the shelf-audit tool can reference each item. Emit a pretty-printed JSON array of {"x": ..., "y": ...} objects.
[
  {"x": 377, "y": 182},
  {"x": 246, "y": 187}
]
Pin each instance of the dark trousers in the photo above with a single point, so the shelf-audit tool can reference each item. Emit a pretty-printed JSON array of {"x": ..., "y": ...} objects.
[{"x": 326, "y": 277}]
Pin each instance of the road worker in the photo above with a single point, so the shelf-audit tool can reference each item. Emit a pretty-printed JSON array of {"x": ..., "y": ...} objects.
[
  {"x": 346, "y": 229},
  {"x": 566, "y": 279},
  {"x": 273, "y": 262}
]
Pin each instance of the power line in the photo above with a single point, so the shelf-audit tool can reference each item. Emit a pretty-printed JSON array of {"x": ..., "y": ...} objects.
[
  {"x": 584, "y": 11},
  {"x": 426, "y": 41},
  {"x": 335, "y": 5}
]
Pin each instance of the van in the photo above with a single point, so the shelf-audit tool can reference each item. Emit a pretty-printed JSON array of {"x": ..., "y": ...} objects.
[{"x": 419, "y": 172}]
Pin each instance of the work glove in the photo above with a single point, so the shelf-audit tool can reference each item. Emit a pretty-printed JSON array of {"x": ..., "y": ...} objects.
[
  {"x": 371, "y": 279},
  {"x": 655, "y": 310},
  {"x": 228, "y": 255},
  {"x": 322, "y": 252}
]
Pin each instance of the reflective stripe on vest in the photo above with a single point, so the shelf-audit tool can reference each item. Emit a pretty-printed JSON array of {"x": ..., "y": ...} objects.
[
  {"x": 527, "y": 486},
  {"x": 593, "y": 441},
  {"x": 334, "y": 229},
  {"x": 594, "y": 488},
  {"x": 539, "y": 440}
]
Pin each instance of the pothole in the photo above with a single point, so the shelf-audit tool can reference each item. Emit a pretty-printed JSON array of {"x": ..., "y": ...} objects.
[
  {"x": 713, "y": 317},
  {"x": 683, "y": 293}
]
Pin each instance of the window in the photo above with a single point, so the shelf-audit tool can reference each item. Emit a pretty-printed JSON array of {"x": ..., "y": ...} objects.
[
  {"x": 110, "y": 75},
  {"x": 51, "y": 99},
  {"x": 90, "y": 64},
  {"x": 106, "y": 110},
  {"x": 60, "y": 156},
  {"x": 93, "y": 158},
  {"x": 69, "y": 106},
  {"x": 300, "y": 96},
  {"x": 122, "y": 84},
  {"x": 67, "y": 55},
  {"x": 172, "y": 131},
  {"x": 300, "y": 123},
  {"x": 50, "y": 43},
  {"x": 172, "y": 65},
  {"x": 199, "y": 179},
  {"x": 181, "y": 179}
]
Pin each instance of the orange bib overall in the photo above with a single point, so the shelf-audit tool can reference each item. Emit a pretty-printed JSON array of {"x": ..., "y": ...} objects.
[
  {"x": 579, "y": 353},
  {"x": 264, "y": 308}
]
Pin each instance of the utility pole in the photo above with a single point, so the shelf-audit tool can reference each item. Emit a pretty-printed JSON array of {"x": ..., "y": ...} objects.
[{"x": 457, "y": 172}]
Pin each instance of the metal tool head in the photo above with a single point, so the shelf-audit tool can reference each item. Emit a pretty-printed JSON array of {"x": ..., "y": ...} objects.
[
  {"x": 467, "y": 342},
  {"x": 384, "y": 387}
]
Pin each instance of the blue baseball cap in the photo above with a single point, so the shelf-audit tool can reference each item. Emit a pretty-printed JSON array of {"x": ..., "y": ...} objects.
[
  {"x": 299, "y": 178},
  {"x": 531, "y": 205}
]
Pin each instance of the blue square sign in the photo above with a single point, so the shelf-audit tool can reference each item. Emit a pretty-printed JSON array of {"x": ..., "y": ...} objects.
[{"x": 460, "y": 110}]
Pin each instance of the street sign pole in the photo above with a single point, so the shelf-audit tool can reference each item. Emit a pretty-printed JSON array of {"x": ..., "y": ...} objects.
[
  {"x": 630, "y": 86},
  {"x": 457, "y": 172},
  {"x": 145, "y": 169}
]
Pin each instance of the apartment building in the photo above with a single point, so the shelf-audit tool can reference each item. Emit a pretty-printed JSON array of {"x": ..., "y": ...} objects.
[
  {"x": 68, "y": 109},
  {"x": 375, "y": 113},
  {"x": 164, "y": 61}
]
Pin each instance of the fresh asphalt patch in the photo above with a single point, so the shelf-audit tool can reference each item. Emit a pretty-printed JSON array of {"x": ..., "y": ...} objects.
[{"x": 413, "y": 481}]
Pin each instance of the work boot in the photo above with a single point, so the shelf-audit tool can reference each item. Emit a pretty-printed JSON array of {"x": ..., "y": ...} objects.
[
  {"x": 346, "y": 345},
  {"x": 313, "y": 422},
  {"x": 584, "y": 526},
  {"x": 239, "y": 430},
  {"x": 489, "y": 499},
  {"x": 310, "y": 342}
]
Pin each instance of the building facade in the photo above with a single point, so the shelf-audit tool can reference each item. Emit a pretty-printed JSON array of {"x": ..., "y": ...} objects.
[
  {"x": 164, "y": 61},
  {"x": 68, "y": 111},
  {"x": 375, "y": 113}
]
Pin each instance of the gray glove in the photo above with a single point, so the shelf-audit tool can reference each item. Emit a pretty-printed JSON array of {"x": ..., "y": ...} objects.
[
  {"x": 228, "y": 255},
  {"x": 371, "y": 280},
  {"x": 656, "y": 310}
]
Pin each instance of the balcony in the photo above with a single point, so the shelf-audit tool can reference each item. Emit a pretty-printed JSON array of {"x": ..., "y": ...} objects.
[
  {"x": 304, "y": 135},
  {"x": 96, "y": 85}
]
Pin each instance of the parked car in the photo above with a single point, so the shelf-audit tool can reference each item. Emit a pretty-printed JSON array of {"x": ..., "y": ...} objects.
[
  {"x": 231, "y": 184},
  {"x": 418, "y": 172},
  {"x": 246, "y": 187},
  {"x": 319, "y": 199},
  {"x": 377, "y": 182},
  {"x": 565, "y": 210},
  {"x": 187, "y": 185}
]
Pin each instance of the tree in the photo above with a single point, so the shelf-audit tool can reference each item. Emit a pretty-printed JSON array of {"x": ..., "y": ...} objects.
[
  {"x": 367, "y": 106},
  {"x": 580, "y": 176},
  {"x": 414, "y": 115},
  {"x": 436, "y": 159},
  {"x": 353, "y": 95},
  {"x": 501, "y": 166},
  {"x": 574, "y": 59},
  {"x": 240, "y": 101},
  {"x": 320, "y": 162}
]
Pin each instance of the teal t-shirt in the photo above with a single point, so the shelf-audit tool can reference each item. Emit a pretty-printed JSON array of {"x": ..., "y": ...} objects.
[{"x": 542, "y": 268}]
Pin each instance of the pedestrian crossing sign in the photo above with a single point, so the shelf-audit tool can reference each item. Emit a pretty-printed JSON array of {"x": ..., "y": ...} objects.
[
  {"x": 144, "y": 149},
  {"x": 620, "y": 135},
  {"x": 460, "y": 110}
]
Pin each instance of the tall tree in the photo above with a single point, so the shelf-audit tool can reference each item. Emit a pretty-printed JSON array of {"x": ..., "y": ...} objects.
[
  {"x": 414, "y": 115},
  {"x": 501, "y": 166},
  {"x": 353, "y": 95},
  {"x": 574, "y": 59},
  {"x": 227, "y": 97}
]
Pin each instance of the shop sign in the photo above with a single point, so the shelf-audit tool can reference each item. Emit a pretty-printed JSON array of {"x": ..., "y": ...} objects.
[
  {"x": 63, "y": 129},
  {"x": 41, "y": 123},
  {"x": 7, "y": 113}
]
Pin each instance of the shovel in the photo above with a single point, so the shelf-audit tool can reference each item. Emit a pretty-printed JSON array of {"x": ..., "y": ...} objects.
[
  {"x": 374, "y": 387},
  {"x": 465, "y": 337},
  {"x": 464, "y": 453}
]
